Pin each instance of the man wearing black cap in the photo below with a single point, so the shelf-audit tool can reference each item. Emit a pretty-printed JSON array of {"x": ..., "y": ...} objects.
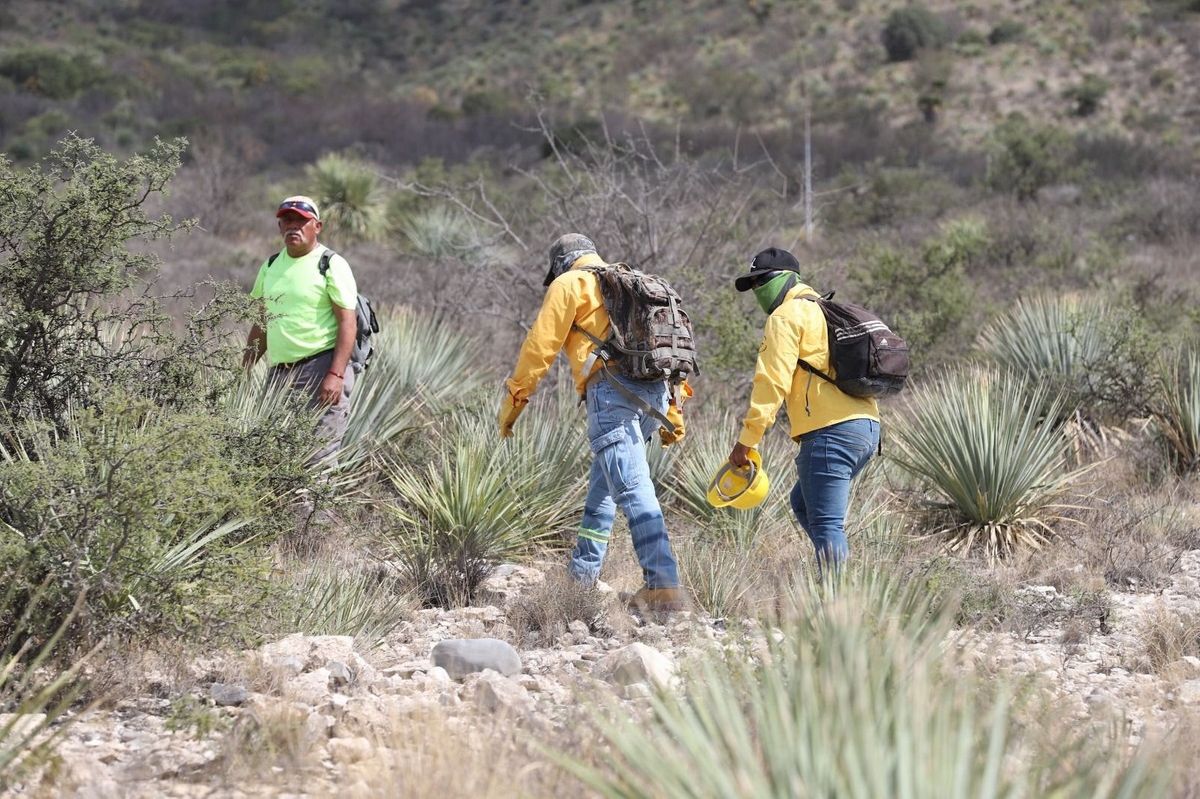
[
  {"x": 621, "y": 419},
  {"x": 837, "y": 433}
]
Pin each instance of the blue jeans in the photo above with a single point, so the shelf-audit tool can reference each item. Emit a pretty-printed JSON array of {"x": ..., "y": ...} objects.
[
  {"x": 829, "y": 459},
  {"x": 620, "y": 477}
]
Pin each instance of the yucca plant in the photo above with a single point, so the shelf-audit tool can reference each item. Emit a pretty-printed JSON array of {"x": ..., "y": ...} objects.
[
  {"x": 1087, "y": 350},
  {"x": 436, "y": 232},
  {"x": 1177, "y": 408},
  {"x": 855, "y": 700},
  {"x": 481, "y": 500},
  {"x": 350, "y": 196},
  {"x": 330, "y": 599},
  {"x": 991, "y": 447}
]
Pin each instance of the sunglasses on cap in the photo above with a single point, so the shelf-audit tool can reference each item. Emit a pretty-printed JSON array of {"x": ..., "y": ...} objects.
[{"x": 298, "y": 205}]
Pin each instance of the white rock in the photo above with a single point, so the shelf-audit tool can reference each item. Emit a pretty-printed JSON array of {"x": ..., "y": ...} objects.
[
  {"x": 1188, "y": 692},
  {"x": 495, "y": 693},
  {"x": 311, "y": 688},
  {"x": 636, "y": 663}
]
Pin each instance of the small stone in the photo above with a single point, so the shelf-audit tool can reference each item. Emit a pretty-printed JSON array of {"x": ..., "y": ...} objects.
[
  {"x": 289, "y": 665},
  {"x": 579, "y": 629},
  {"x": 228, "y": 695},
  {"x": 311, "y": 688},
  {"x": 1188, "y": 692},
  {"x": 636, "y": 663},
  {"x": 439, "y": 676},
  {"x": 406, "y": 669},
  {"x": 639, "y": 690},
  {"x": 497, "y": 694},
  {"x": 460, "y": 657},
  {"x": 339, "y": 672}
]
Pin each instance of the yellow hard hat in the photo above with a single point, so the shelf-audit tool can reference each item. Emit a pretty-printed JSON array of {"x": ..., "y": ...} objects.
[{"x": 742, "y": 488}]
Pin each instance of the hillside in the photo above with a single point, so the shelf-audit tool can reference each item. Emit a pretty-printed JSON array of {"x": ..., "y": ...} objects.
[{"x": 190, "y": 605}]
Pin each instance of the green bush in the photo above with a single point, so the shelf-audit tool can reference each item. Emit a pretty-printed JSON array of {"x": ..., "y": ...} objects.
[
  {"x": 74, "y": 322},
  {"x": 910, "y": 30},
  {"x": 474, "y": 503},
  {"x": 146, "y": 511},
  {"x": 925, "y": 296},
  {"x": 1024, "y": 157},
  {"x": 1091, "y": 351},
  {"x": 49, "y": 73},
  {"x": 1008, "y": 30},
  {"x": 1087, "y": 95}
]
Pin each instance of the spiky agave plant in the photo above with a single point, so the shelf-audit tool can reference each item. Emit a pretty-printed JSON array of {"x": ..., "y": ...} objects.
[
  {"x": 480, "y": 500},
  {"x": 351, "y": 199},
  {"x": 421, "y": 364},
  {"x": 855, "y": 700},
  {"x": 327, "y": 598},
  {"x": 1085, "y": 348},
  {"x": 991, "y": 446},
  {"x": 1177, "y": 408}
]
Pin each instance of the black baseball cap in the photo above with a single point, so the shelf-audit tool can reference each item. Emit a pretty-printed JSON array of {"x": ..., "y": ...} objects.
[{"x": 772, "y": 259}]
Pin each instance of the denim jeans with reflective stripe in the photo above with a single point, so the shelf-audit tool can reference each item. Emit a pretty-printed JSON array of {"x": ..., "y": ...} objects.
[
  {"x": 620, "y": 478},
  {"x": 829, "y": 459}
]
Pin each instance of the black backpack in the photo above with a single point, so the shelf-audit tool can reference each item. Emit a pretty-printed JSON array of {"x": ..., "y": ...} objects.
[
  {"x": 867, "y": 357},
  {"x": 368, "y": 325},
  {"x": 651, "y": 336}
]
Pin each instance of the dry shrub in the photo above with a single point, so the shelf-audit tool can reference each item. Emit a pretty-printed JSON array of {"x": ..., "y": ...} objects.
[
  {"x": 1168, "y": 637},
  {"x": 1133, "y": 541},
  {"x": 543, "y": 614},
  {"x": 274, "y": 738}
]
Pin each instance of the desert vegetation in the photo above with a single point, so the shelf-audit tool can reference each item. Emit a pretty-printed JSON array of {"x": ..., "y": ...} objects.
[{"x": 1020, "y": 613}]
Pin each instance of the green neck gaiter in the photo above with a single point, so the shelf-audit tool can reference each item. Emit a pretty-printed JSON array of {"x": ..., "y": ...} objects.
[{"x": 773, "y": 292}]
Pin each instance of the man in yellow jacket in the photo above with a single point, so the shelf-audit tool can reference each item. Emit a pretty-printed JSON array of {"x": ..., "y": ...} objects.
[
  {"x": 620, "y": 423},
  {"x": 837, "y": 433}
]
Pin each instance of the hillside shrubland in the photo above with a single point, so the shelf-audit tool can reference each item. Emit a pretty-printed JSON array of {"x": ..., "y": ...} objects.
[{"x": 1012, "y": 185}]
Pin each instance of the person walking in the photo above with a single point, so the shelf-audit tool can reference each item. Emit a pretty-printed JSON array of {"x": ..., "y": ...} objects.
[
  {"x": 837, "y": 433},
  {"x": 310, "y": 297},
  {"x": 620, "y": 423}
]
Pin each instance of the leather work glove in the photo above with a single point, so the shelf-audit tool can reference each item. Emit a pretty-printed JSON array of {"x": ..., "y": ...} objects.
[
  {"x": 510, "y": 409},
  {"x": 675, "y": 414}
]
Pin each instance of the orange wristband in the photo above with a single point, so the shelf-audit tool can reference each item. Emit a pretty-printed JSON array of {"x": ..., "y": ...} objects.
[{"x": 342, "y": 376}]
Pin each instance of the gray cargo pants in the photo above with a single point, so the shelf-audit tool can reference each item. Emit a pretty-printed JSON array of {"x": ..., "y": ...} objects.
[{"x": 306, "y": 376}]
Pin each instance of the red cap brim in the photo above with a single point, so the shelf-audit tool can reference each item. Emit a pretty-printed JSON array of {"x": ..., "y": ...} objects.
[{"x": 296, "y": 211}]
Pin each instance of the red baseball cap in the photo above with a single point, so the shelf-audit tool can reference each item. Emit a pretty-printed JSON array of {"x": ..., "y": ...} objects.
[{"x": 299, "y": 204}]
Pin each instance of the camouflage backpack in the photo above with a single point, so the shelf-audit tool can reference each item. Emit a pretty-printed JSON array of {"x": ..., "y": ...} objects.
[{"x": 651, "y": 336}]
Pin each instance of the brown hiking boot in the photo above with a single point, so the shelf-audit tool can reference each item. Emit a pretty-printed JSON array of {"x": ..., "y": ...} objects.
[{"x": 659, "y": 600}]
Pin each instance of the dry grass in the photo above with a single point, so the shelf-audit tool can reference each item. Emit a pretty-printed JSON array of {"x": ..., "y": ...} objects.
[
  {"x": 1167, "y": 638},
  {"x": 432, "y": 756},
  {"x": 540, "y": 616}
]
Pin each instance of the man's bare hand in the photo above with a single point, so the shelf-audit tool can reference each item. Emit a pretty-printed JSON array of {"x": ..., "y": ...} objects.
[
  {"x": 331, "y": 389},
  {"x": 740, "y": 456}
]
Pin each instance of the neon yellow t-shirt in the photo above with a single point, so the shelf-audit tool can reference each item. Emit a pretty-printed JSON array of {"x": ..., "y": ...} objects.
[{"x": 300, "y": 303}]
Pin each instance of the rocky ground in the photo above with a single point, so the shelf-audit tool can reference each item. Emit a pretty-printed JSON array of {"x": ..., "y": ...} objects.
[{"x": 318, "y": 716}]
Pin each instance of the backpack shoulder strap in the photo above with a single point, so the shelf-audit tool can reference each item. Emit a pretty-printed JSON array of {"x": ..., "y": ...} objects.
[
  {"x": 271, "y": 258},
  {"x": 323, "y": 264},
  {"x": 805, "y": 364}
]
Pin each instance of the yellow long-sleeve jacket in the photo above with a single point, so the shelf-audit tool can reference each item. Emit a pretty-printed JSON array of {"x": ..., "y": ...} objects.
[
  {"x": 573, "y": 298},
  {"x": 795, "y": 330}
]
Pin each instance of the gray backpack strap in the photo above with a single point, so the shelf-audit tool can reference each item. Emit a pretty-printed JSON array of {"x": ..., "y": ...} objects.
[
  {"x": 323, "y": 264},
  {"x": 604, "y": 357}
]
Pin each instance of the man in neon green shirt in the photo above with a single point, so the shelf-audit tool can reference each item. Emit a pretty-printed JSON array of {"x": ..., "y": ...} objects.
[{"x": 312, "y": 324}]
